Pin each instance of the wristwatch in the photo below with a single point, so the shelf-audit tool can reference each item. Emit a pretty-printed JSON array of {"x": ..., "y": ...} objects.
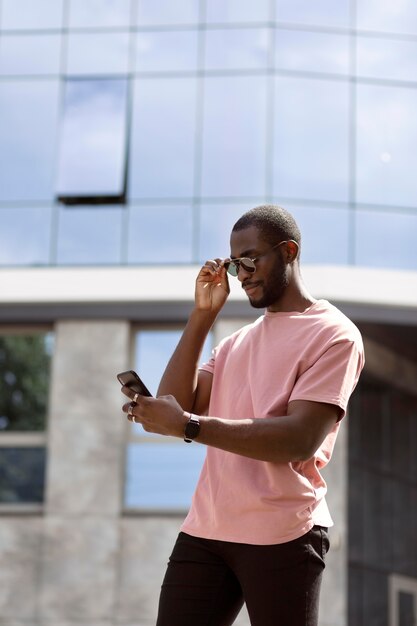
[{"x": 192, "y": 428}]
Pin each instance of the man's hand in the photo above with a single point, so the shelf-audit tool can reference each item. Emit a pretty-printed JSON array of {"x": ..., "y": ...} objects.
[
  {"x": 212, "y": 287},
  {"x": 162, "y": 415}
]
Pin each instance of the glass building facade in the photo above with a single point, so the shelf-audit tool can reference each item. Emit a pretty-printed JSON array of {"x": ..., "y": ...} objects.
[{"x": 135, "y": 132}]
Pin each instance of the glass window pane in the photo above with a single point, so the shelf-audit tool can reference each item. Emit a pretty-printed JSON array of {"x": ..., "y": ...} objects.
[
  {"x": 311, "y": 156},
  {"x": 29, "y": 116},
  {"x": 166, "y": 51},
  {"x": 162, "y": 138},
  {"x": 22, "y": 475},
  {"x": 159, "y": 12},
  {"x": 374, "y": 234},
  {"x": 237, "y": 11},
  {"x": 406, "y": 609},
  {"x": 234, "y": 136},
  {"x": 386, "y": 159},
  {"x": 319, "y": 12},
  {"x": 216, "y": 223},
  {"x": 98, "y": 53},
  {"x": 93, "y": 139},
  {"x": 162, "y": 475},
  {"x": 27, "y": 14},
  {"x": 99, "y": 13},
  {"x": 37, "y": 233},
  {"x": 386, "y": 59},
  {"x": 89, "y": 235},
  {"x": 30, "y": 54},
  {"x": 160, "y": 234},
  {"x": 153, "y": 349},
  {"x": 312, "y": 52},
  {"x": 245, "y": 48},
  {"x": 388, "y": 16},
  {"x": 24, "y": 381},
  {"x": 325, "y": 234}
]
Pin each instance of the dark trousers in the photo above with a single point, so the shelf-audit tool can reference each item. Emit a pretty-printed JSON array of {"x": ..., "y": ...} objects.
[{"x": 208, "y": 581}]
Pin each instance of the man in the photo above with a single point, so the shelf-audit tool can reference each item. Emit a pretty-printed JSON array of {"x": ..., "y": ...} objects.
[{"x": 268, "y": 406}]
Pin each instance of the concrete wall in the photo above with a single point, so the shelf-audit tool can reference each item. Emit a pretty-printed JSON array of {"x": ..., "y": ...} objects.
[{"x": 82, "y": 563}]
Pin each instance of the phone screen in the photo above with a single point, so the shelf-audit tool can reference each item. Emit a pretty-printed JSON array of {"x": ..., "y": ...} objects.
[{"x": 133, "y": 381}]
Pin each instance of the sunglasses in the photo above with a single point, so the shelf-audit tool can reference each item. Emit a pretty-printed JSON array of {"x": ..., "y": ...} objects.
[{"x": 249, "y": 265}]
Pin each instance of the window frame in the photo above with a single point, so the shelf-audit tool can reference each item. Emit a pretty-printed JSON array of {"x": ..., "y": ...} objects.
[
  {"x": 25, "y": 439},
  {"x": 397, "y": 584},
  {"x": 133, "y": 437}
]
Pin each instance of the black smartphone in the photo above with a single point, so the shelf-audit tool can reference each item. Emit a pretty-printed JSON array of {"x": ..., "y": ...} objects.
[{"x": 132, "y": 380}]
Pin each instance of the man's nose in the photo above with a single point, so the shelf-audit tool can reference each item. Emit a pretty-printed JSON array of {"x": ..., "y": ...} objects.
[{"x": 243, "y": 274}]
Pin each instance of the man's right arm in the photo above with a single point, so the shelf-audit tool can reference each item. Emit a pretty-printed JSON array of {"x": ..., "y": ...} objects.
[{"x": 182, "y": 378}]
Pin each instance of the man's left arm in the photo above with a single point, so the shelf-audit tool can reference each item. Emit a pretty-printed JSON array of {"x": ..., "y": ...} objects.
[{"x": 288, "y": 438}]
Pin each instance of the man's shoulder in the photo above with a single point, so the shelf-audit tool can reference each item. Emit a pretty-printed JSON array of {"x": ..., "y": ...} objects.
[{"x": 332, "y": 320}]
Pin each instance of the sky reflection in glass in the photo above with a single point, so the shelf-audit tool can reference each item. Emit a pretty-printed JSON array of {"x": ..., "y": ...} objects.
[
  {"x": 163, "y": 138},
  {"x": 234, "y": 49},
  {"x": 237, "y": 11},
  {"x": 234, "y": 136},
  {"x": 98, "y": 53},
  {"x": 89, "y": 236},
  {"x": 28, "y": 128},
  {"x": 390, "y": 16},
  {"x": 317, "y": 13},
  {"x": 386, "y": 59},
  {"x": 160, "y": 473},
  {"x": 93, "y": 137},
  {"x": 28, "y": 14},
  {"x": 301, "y": 50},
  {"x": 166, "y": 51},
  {"x": 167, "y": 12},
  {"x": 25, "y": 235},
  {"x": 386, "y": 146},
  {"x": 386, "y": 239},
  {"x": 160, "y": 234},
  {"x": 99, "y": 13},
  {"x": 216, "y": 223},
  {"x": 311, "y": 156},
  {"x": 30, "y": 54},
  {"x": 325, "y": 234}
]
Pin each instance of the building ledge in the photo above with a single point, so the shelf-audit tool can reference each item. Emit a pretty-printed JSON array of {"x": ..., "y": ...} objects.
[{"x": 166, "y": 292}]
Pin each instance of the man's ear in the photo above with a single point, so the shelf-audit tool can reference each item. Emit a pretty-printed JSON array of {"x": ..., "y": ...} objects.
[{"x": 291, "y": 251}]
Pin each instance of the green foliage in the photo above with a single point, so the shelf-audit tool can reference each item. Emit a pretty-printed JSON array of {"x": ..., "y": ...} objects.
[{"x": 24, "y": 382}]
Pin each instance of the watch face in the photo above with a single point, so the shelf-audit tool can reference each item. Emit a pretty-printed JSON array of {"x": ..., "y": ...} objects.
[{"x": 192, "y": 429}]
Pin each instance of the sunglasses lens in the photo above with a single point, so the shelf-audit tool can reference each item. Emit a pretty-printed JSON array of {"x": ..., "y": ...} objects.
[
  {"x": 248, "y": 265},
  {"x": 232, "y": 269}
]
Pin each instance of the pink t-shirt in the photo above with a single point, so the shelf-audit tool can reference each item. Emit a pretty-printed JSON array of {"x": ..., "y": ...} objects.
[{"x": 315, "y": 355}]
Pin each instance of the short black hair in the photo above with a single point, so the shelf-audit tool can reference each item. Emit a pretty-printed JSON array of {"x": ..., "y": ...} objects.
[{"x": 273, "y": 222}]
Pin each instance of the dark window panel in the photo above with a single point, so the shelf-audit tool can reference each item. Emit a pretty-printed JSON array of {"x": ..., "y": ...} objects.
[
  {"x": 22, "y": 475},
  {"x": 24, "y": 381}
]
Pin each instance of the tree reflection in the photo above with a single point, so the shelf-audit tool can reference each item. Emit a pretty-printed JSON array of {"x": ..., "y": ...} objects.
[{"x": 24, "y": 382}]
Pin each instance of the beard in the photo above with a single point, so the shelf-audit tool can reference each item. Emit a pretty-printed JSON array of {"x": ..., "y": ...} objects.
[{"x": 273, "y": 287}]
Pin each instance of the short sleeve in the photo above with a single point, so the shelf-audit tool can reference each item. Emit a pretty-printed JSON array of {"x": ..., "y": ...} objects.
[{"x": 333, "y": 377}]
